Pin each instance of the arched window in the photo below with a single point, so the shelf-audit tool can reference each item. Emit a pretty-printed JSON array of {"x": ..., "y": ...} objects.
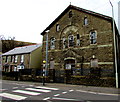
[
  {"x": 52, "y": 43},
  {"x": 70, "y": 14},
  {"x": 64, "y": 43},
  {"x": 70, "y": 40},
  {"x": 78, "y": 40},
  {"x": 85, "y": 21},
  {"x": 93, "y": 37},
  {"x": 57, "y": 27}
]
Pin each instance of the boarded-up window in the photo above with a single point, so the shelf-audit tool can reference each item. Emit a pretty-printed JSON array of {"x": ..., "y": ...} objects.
[
  {"x": 94, "y": 62},
  {"x": 51, "y": 64}
]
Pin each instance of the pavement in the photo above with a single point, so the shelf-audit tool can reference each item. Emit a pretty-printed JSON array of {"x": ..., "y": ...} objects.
[{"x": 106, "y": 90}]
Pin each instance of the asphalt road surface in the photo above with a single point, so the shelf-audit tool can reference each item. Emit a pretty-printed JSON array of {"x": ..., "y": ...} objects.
[{"x": 15, "y": 91}]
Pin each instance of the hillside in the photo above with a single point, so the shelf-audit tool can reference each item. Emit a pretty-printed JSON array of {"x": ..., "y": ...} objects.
[{"x": 10, "y": 44}]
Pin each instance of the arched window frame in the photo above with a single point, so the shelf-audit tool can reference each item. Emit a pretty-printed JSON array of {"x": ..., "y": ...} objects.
[
  {"x": 85, "y": 21},
  {"x": 52, "y": 43},
  {"x": 93, "y": 37},
  {"x": 70, "y": 14},
  {"x": 70, "y": 41},
  {"x": 57, "y": 27},
  {"x": 78, "y": 40},
  {"x": 64, "y": 42}
]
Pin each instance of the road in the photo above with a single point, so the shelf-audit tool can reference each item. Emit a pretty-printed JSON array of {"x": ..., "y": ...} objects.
[{"x": 16, "y": 91}]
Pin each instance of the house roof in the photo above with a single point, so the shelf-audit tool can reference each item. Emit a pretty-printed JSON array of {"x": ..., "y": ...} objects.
[
  {"x": 22, "y": 50},
  {"x": 79, "y": 9}
]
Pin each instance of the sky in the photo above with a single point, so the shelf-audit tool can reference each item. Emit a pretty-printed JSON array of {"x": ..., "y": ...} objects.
[{"x": 26, "y": 19}]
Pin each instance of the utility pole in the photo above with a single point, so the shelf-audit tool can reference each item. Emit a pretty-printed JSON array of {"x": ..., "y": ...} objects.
[{"x": 115, "y": 52}]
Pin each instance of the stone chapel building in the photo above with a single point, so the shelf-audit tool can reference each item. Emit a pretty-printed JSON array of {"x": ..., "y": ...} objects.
[{"x": 80, "y": 45}]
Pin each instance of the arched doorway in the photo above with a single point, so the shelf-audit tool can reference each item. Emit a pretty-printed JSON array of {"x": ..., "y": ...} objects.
[{"x": 69, "y": 65}]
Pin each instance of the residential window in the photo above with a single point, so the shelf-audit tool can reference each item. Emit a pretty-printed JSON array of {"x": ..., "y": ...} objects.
[
  {"x": 11, "y": 59},
  {"x": 16, "y": 58},
  {"x": 52, "y": 43},
  {"x": 6, "y": 60},
  {"x": 22, "y": 58},
  {"x": 70, "y": 14},
  {"x": 57, "y": 27},
  {"x": 78, "y": 40},
  {"x": 93, "y": 37},
  {"x": 70, "y": 40},
  {"x": 85, "y": 21}
]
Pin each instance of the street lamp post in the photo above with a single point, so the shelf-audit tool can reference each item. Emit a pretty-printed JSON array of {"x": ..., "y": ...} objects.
[
  {"x": 46, "y": 67},
  {"x": 116, "y": 74}
]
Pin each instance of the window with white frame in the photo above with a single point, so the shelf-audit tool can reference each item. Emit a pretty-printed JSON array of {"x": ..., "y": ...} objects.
[
  {"x": 78, "y": 40},
  {"x": 85, "y": 21},
  {"x": 13, "y": 58},
  {"x": 52, "y": 43},
  {"x": 93, "y": 37},
  {"x": 16, "y": 58},
  {"x": 22, "y": 58},
  {"x": 70, "y": 40}
]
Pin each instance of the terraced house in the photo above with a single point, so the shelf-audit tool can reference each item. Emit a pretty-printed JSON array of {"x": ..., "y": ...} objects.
[
  {"x": 80, "y": 47},
  {"x": 22, "y": 58}
]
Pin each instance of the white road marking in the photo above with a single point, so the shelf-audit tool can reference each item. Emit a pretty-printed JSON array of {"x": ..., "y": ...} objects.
[
  {"x": 71, "y": 90},
  {"x": 62, "y": 98},
  {"x": 39, "y": 90},
  {"x": 14, "y": 87},
  {"x": 57, "y": 95},
  {"x": 49, "y": 88},
  {"x": 26, "y": 92},
  {"x": 64, "y": 92},
  {"x": 11, "y": 96},
  {"x": 97, "y": 93},
  {"x": 46, "y": 98},
  {"x": 31, "y": 85},
  {"x": 3, "y": 89}
]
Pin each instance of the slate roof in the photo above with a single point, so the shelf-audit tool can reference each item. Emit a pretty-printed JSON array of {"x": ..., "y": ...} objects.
[
  {"x": 79, "y": 9},
  {"x": 22, "y": 50}
]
